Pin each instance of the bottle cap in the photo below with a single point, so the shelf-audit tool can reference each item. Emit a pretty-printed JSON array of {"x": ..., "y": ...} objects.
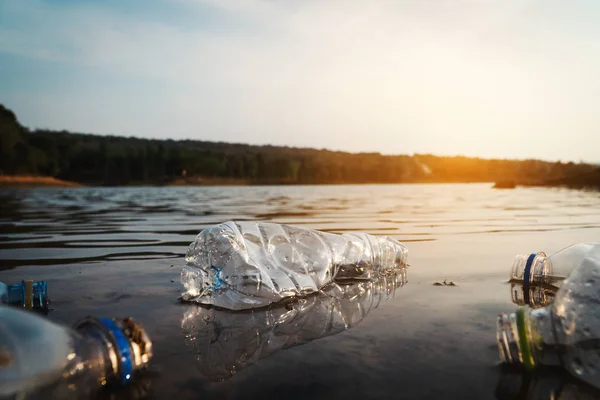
[
  {"x": 131, "y": 347},
  {"x": 30, "y": 294}
]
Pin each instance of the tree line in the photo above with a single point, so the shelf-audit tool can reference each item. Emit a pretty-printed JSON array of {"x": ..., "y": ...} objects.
[{"x": 115, "y": 160}]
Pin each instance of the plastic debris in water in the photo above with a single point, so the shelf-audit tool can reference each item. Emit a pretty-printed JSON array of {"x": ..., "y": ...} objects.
[
  {"x": 537, "y": 269},
  {"x": 242, "y": 265},
  {"x": 28, "y": 294},
  {"x": 41, "y": 358},
  {"x": 566, "y": 333}
]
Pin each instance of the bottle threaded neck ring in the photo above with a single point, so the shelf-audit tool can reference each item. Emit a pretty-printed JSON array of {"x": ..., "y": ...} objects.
[
  {"x": 524, "y": 338},
  {"x": 508, "y": 338},
  {"x": 529, "y": 269},
  {"x": 129, "y": 347},
  {"x": 513, "y": 338}
]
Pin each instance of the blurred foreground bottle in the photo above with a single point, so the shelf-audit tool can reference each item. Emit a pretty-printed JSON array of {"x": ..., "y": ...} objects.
[
  {"x": 225, "y": 342},
  {"x": 241, "y": 265},
  {"x": 40, "y": 359},
  {"x": 550, "y": 271},
  {"x": 27, "y": 294},
  {"x": 566, "y": 333}
]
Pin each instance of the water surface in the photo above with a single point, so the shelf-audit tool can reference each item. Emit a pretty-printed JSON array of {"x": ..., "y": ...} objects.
[{"x": 117, "y": 252}]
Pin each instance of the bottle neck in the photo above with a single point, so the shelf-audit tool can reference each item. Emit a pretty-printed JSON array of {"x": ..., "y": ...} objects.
[
  {"x": 531, "y": 269},
  {"x": 104, "y": 352},
  {"x": 87, "y": 368},
  {"x": 126, "y": 345},
  {"x": 527, "y": 337}
]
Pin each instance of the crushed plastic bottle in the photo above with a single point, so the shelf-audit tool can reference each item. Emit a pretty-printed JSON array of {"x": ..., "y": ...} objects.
[
  {"x": 242, "y": 265},
  {"x": 225, "y": 342},
  {"x": 549, "y": 271},
  {"x": 566, "y": 333},
  {"x": 40, "y": 359},
  {"x": 28, "y": 294}
]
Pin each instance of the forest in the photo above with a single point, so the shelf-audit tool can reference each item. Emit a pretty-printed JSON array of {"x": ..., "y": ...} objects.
[{"x": 114, "y": 160}]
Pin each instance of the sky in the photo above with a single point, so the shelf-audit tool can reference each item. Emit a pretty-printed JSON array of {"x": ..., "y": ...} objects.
[{"x": 502, "y": 79}]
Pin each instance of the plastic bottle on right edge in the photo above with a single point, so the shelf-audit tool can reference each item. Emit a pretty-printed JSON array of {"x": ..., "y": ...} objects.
[
  {"x": 566, "y": 333},
  {"x": 550, "y": 271},
  {"x": 42, "y": 360}
]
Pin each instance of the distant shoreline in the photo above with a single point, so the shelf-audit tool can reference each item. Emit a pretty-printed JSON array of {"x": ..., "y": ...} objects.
[
  {"x": 76, "y": 159},
  {"x": 35, "y": 181},
  {"x": 48, "y": 181}
]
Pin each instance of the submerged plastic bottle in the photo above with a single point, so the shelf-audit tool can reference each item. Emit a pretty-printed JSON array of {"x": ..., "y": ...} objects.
[
  {"x": 225, "y": 342},
  {"x": 550, "y": 271},
  {"x": 566, "y": 333},
  {"x": 40, "y": 359},
  {"x": 241, "y": 265},
  {"x": 27, "y": 294}
]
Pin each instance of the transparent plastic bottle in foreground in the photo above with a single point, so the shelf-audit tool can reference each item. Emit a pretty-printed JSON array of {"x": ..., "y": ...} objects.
[
  {"x": 225, "y": 342},
  {"x": 241, "y": 265},
  {"x": 550, "y": 271},
  {"x": 566, "y": 333},
  {"x": 40, "y": 359}
]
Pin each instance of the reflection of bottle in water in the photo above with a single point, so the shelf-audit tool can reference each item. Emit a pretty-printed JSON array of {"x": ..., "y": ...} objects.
[
  {"x": 140, "y": 388},
  {"x": 39, "y": 359},
  {"x": 535, "y": 297},
  {"x": 565, "y": 333},
  {"x": 550, "y": 271},
  {"x": 241, "y": 265},
  {"x": 27, "y": 294},
  {"x": 225, "y": 342},
  {"x": 549, "y": 384}
]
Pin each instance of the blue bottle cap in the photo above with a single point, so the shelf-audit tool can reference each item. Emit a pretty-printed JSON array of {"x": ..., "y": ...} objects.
[
  {"x": 132, "y": 347},
  {"x": 37, "y": 297},
  {"x": 123, "y": 350}
]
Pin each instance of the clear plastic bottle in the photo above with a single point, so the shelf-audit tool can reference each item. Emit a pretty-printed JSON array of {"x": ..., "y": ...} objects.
[
  {"x": 550, "y": 271},
  {"x": 27, "y": 294},
  {"x": 225, "y": 342},
  {"x": 40, "y": 359},
  {"x": 566, "y": 333},
  {"x": 242, "y": 265}
]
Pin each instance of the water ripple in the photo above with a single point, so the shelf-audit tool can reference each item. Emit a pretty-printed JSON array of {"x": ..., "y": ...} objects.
[{"x": 74, "y": 225}]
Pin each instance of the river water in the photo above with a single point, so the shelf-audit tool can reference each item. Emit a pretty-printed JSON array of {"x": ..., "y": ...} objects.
[{"x": 118, "y": 252}]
